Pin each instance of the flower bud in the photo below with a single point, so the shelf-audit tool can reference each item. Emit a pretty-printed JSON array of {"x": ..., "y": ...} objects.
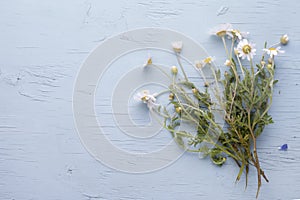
[
  {"x": 171, "y": 96},
  {"x": 227, "y": 63},
  {"x": 178, "y": 109},
  {"x": 206, "y": 84},
  {"x": 262, "y": 63},
  {"x": 198, "y": 64},
  {"x": 284, "y": 39},
  {"x": 174, "y": 70},
  {"x": 177, "y": 46},
  {"x": 195, "y": 91},
  {"x": 269, "y": 66},
  {"x": 236, "y": 52},
  {"x": 270, "y": 60}
]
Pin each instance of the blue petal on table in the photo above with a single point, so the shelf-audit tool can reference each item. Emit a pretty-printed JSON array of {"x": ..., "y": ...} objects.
[{"x": 284, "y": 147}]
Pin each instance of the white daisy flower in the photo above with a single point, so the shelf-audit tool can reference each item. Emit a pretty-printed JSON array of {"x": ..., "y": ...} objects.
[
  {"x": 145, "y": 97},
  {"x": 222, "y": 30},
  {"x": 273, "y": 51},
  {"x": 177, "y": 46},
  {"x": 208, "y": 60},
  {"x": 205, "y": 61},
  {"x": 240, "y": 35},
  {"x": 245, "y": 49}
]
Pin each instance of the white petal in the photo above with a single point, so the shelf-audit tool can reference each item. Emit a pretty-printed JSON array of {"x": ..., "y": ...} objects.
[{"x": 137, "y": 97}]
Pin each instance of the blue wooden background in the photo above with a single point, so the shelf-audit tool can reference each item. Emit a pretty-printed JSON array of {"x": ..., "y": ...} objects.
[{"x": 42, "y": 46}]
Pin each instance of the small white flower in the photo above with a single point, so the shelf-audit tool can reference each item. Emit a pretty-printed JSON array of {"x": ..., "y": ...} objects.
[
  {"x": 205, "y": 61},
  {"x": 198, "y": 64},
  {"x": 208, "y": 60},
  {"x": 146, "y": 98},
  {"x": 149, "y": 61},
  {"x": 222, "y": 30},
  {"x": 273, "y": 51},
  {"x": 245, "y": 49},
  {"x": 177, "y": 46},
  {"x": 240, "y": 35}
]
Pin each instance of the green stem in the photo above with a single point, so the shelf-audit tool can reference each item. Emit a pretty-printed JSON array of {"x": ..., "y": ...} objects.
[
  {"x": 255, "y": 160},
  {"x": 162, "y": 70},
  {"x": 240, "y": 65},
  {"x": 225, "y": 46},
  {"x": 181, "y": 67}
]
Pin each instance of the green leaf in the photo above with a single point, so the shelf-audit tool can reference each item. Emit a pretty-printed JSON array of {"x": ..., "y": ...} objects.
[{"x": 217, "y": 157}]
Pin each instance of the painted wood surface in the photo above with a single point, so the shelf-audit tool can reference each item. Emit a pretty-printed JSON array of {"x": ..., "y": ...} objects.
[{"x": 44, "y": 43}]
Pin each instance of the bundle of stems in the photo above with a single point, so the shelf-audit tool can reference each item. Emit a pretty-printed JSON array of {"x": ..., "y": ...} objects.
[{"x": 244, "y": 105}]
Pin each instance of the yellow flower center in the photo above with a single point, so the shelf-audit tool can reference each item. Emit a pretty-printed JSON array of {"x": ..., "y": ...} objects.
[
  {"x": 144, "y": 98},
  {"x": 207, "y": 60},
  {"x": 272, "y": 49},
  {"x": 247, "y": 49},
  {"x": 149, "y": 61},
  {"x": 235, "y": 32},
  {"x": 221, "y": 33}
]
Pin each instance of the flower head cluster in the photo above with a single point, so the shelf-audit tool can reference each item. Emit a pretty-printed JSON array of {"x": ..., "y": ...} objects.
[
  {"x": 248, "y": 89},
  {"x": 244, "y": 48}
]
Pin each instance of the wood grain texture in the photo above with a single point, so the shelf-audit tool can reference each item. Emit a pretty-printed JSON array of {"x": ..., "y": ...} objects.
[{"x": 42, "y": 46}]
